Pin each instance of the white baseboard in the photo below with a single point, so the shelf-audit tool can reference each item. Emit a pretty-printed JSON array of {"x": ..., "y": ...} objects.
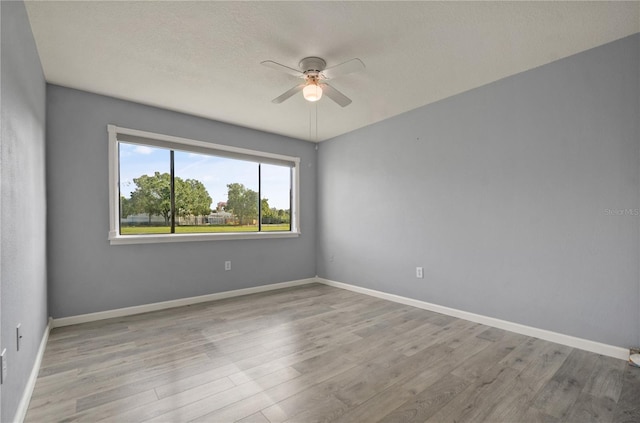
[
  {"x": 568, "y": 340},
  {"x": 23, "y": 406},
  {"x": 571, "y": 341},
  {"x": 145, "y": 308},
  {"x": 559, "y": 338}
]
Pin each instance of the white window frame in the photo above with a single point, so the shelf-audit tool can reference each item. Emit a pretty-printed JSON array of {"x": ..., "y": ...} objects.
[{"x": 184, "y": 144}]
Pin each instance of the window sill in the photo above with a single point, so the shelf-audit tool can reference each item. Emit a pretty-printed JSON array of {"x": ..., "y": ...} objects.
[{"x": 115, "y": 239}]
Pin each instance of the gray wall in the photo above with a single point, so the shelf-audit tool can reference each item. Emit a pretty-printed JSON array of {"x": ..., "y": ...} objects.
[
  {"x": 87, "y": 274},
  {"x": 23, "y": 207},
  {"x": 501, "y": 194}
]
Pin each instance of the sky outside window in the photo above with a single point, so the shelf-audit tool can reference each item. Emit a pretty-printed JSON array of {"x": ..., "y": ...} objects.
[{"x": 214, "y": 173}]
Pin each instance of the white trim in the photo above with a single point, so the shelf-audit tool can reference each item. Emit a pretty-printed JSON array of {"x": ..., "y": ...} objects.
[
  {"x": 295, "y": 190},
  {"x": 145, "y": 308},
  {"x": 114, "y": 182},
  {"x": 571, "y": 341},
  {"x": 23, "y": 406},
  {"x": 208, "y": 145},
  {"x": 160, "y": 238},
  {"x": 559, "y": 338}
]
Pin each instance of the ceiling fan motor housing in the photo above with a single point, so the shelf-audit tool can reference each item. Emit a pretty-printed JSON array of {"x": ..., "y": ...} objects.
[{"x": 313, "y": 64}]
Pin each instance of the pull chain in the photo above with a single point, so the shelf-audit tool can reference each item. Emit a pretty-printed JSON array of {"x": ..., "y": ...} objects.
[{"x": 313, "y": 122}]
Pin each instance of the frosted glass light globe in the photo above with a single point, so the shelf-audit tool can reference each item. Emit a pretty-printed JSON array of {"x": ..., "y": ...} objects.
[{"x": 312, "y": 92}]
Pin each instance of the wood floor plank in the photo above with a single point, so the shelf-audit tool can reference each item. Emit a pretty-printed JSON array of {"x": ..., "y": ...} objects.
[
  {"x": 534, "y": 415},
  {"x": 591, "y": 409},
  {"x": 492, "y": 334},
  {"x": 422, "y": 339},
  {"x": 309, "y": 406},
  {"x": 279, "y": 392},
  {"x": 477, "y": 401},
  {"x": 514, "y": 404},
  {"x": 384, "y": 401},
  {"x": 606, "y": 379},
  {"x": 134, "y": 382},
  {"x": 523, "y": 354},
  {"x": 138, "y": 385},
  {"x": 376, "y": 406},
  {"x": 176, "y": 386},
  {"x": 426, "y": 403},
  {"x": 175, "y": 407},
  {"x": 471, "y": 360},
  {"x": 250, "y": 405},
  {"x": 474, "y": 366},
  {"x": 254, "y": 418},
  {"x": 559, "y": 394},
  {"x": 361, "y": 383},
  {"x": 43, "y": 411},
  {"x": 315, "y": 353},
  {"x": 446, "y": 363},
  {"x": 114, "y": 407},
  {"x": 628, "y": 406},
  {"x": 168, "y": 403},
  {"x": 382, "y": 373}
]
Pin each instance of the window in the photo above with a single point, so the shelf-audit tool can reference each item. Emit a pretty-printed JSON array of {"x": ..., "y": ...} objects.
[{"x": 167, "y": 189}]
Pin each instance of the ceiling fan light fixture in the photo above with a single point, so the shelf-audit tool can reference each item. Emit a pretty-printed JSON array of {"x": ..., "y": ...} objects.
[
  {"x": 312, "y": 92},
  {"x": 314, "y": 72}
]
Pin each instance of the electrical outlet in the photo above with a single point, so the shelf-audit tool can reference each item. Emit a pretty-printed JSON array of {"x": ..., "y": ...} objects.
[
  {"x": 18, "y": 336},
  {"x": 227, "y": 265},
  {"x": 419, "y": 273},
  {"x": 3, "y": 373}
]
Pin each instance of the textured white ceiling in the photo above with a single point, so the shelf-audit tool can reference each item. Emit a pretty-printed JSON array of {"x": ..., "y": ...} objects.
[{"x": 203, "y": 58}]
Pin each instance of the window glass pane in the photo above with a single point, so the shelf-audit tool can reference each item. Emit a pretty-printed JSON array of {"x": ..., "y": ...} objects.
[
  {"x": 276, "y": 198},
  {"x": 215, "y": 194},
  {"x": 214, "y": 188},
  {"x": 145, "y": 204}
]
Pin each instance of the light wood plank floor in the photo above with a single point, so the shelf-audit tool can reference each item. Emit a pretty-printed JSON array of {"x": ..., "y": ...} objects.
[{"x": 316, "y": 353}]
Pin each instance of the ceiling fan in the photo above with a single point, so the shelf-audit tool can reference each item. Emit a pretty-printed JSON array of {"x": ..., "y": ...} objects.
[{"x": 314, "y": 71}]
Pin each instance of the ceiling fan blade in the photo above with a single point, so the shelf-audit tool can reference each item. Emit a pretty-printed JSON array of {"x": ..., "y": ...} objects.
[
  {"x": 288, "y": 94},
  {"x": 350, "y": 66},
  {"x": 282, "y": 68},
  {"x": 335, "y": 95}
]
